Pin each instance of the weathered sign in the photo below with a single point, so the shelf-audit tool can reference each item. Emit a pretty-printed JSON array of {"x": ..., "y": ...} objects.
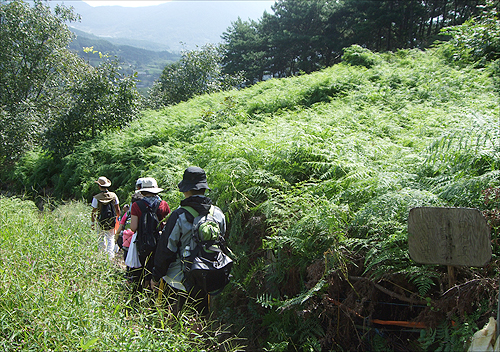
[{"x": 449, "y": 236}]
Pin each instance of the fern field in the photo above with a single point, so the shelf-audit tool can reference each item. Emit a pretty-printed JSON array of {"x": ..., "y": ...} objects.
[{"x": 317, "y": 174}]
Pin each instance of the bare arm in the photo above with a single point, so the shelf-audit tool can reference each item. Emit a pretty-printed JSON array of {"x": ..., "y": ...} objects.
[
  {"x": 93, "y": 217},
  {"x": 118, "y": 211},
  {"x": 134, "y": 222},
  {"x": 120, "y": 229}
]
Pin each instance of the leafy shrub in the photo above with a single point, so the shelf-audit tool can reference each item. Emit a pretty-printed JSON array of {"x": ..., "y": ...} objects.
[
  {"x": 103, "y": 99},
  {"x": 474, "y": 42},
  {"x": 197, "y": 72},
  {"x": 358, "y": 56}
]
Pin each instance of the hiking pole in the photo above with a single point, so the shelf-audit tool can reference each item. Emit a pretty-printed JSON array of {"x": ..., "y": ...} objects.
[
  {"x": 208, "y": 302},
  {"x": 160, "y": 290}
]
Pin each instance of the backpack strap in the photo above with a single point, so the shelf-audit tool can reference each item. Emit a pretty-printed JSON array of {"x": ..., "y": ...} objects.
[
  {"x": 190, "y": 210},
  {"x": 143, "y": 205},
  {"x": 195, "y": 214}
]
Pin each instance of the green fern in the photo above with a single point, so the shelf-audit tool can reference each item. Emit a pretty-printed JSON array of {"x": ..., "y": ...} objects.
[
  {"x": 390, "y": 257},
  {"x": 474, "y": 148},
  {"x": 445, "y": 338},
  {"x": 388, "y": 213},
  {"x": 288, "y": 330},
  {"x": 424, "y": 277},
  {"x": 303, "y": 297}
]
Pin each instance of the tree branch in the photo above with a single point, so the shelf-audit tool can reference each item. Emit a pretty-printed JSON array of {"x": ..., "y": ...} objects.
[{"x": 388, "y": 292}]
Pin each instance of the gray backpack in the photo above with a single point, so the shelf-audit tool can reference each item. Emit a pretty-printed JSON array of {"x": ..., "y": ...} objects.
[{"x": 208, "y": 264}]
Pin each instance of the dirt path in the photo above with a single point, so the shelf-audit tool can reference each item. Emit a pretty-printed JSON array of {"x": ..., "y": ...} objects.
[{"x": 119, "y": 261}]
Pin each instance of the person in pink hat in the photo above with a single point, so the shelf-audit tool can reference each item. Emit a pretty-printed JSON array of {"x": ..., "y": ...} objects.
[{"x": 105, "y": 209}]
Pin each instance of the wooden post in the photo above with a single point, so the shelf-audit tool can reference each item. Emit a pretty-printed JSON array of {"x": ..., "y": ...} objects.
[{"x": 451, "y": 276}]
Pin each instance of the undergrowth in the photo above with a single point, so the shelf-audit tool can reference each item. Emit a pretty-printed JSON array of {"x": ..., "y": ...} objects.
[{"x": 316, "y": 174}]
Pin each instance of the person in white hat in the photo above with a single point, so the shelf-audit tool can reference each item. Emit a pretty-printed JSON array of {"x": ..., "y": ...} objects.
[
  {"x": 149, "y": 190},
  {"x": 105, "y": 202}
]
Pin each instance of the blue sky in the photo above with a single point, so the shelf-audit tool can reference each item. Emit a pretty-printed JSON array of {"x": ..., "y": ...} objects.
[
  {"x": 137, "y": 3},
  {"x": 126, "y": 3}
]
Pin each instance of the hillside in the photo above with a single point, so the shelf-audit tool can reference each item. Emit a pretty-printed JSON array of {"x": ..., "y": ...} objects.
[{"x": 317, "y": 174}]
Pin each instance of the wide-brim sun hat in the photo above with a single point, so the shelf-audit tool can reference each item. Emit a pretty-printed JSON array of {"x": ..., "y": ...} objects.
[
  {"x": 194, "y": 178},
  {"x": 149, "y": 185},
  {"x": 103, "y": 182}
]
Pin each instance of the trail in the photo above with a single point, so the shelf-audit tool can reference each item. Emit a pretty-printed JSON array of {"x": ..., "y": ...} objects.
[{"x": 119, "y": 261}]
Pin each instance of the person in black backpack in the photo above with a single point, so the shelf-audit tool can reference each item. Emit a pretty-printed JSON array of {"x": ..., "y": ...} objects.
[
  {"x": 146, "y": 218},
  {"x": 176, "y": 240},
  {"x": 105, "y": 210}
]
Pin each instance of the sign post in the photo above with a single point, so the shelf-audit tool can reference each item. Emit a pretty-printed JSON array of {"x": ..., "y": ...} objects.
[{"x": 449, "y": 236}]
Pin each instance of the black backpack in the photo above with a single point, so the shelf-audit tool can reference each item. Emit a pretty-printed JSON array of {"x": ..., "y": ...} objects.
[
  {"x": 107, "y": 214},
  {"x": 147, "y": 229},
  {"x": 208, "y": 264}
]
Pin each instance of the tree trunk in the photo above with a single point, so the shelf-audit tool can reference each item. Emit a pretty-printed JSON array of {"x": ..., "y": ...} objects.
[
  {"x": 433, "y": 13},
  {"x": 443, "y": 21},
  {"x": 389, "y": 29},
  {"x": 410, "y": 25}
]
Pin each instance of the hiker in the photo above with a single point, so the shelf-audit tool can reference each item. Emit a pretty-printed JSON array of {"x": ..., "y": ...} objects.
[
  {"x": 176, "y": 237},
  {"x": 149, "y": 191},
  {"x": 125, "y": 234},
  {"x": 105, "y": 209},
  {"x": 125, "y": 219}
]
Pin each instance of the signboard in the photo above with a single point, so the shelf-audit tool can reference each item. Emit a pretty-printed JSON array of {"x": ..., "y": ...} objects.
[{"x": 449, "y": 236}]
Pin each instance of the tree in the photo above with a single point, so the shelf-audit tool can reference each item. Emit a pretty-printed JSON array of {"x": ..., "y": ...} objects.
[
  {"x": 244, "y": 50},
  {"x": 49, "y": 96},
  {"x": 102, "y": 99},
  {"x": 296, "y": 36},
  {"x": 33, "y": 55},
  {"x": 305, "y": 36},
  {"x": 197, "y": 72}
]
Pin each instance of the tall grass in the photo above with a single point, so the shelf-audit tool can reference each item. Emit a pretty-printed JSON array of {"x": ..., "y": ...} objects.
[{"x": 60, "y": 292}]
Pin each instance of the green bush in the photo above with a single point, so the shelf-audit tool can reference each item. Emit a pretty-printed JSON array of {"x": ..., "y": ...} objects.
[{"x": 358, "y": 56}]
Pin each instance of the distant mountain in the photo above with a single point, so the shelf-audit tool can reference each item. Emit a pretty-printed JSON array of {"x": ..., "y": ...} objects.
[
  {"x": 145, "y": 39},
  {"x": 129, "y": 52},
  {"x": 172, "y": 26},
  {"x": 147, "y": 63},
  {"x": 138, "y": 43}
]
